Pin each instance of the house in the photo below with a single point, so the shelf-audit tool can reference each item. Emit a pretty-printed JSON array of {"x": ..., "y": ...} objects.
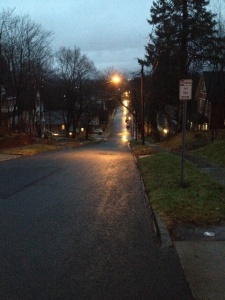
[
  {"x": 29, "y": 117},
  {"x": 210, "y": 96},
  {"x": 167, "y": 120},
  {"x": 161, "y": 121},
  {"x": 8, "y": 104},
  {"x": 172, "y": 118},
  {"x": 54, "y": 123}
]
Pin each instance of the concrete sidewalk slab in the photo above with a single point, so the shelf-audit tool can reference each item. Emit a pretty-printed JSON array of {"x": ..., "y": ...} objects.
[{"x": 204, "y": 265}]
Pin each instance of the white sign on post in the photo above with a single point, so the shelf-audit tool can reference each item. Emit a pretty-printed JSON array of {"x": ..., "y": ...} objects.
[{"x": 185, "y": 89}]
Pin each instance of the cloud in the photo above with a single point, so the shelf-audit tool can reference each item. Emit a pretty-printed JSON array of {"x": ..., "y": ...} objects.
[
  {"x": 121, "y": 59},
  {"x": 109, "y": 32}
]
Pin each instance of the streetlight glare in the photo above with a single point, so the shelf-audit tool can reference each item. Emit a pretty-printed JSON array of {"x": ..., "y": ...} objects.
[
  {"x": 116, "y": 79},
  {"x": 125, "y": 102}
]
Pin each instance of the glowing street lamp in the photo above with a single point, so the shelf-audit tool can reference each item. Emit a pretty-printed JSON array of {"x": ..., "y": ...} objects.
[
  {"x": 126, "y": 103},
  {"x": 116, "y": 79}
]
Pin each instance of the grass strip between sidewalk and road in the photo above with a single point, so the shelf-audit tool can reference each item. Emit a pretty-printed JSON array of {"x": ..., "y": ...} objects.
[
  {"x": 30, "y": 149},
  {"x": 43, "y": 146},
  {"x": 200, "y": 202}
]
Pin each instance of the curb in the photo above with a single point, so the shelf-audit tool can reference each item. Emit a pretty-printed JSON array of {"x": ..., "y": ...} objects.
[
  {"x": 162, "y": 232},
  {"x": 159, "y": 226}
]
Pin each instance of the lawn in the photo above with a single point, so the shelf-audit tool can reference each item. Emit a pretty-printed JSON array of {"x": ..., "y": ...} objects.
[{"x": 201, "y": 202}]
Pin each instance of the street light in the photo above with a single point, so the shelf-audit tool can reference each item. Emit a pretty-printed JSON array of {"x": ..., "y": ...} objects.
[
  {"x": 116, "y": 79},
  {"x": 134, "y": 125},
  {"x": 142, "y": 63}
]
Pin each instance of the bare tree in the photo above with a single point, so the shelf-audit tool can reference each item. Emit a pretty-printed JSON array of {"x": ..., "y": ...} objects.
[
  {"x": 26, "y": 50},
  {"x": 4, "y": 18},
  {"x": 73, "y": 69}
]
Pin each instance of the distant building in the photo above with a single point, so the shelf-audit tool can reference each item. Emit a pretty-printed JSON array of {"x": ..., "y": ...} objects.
[
  {"x": 167, "y": 120},
  {"x": 8, "y": 107}
]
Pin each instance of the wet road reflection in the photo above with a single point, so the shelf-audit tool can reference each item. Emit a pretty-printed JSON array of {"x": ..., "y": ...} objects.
[{"x": 121, "y": 117}]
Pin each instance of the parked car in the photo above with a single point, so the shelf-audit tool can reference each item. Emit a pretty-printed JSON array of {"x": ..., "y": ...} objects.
[{"x": 98, "y": 131}]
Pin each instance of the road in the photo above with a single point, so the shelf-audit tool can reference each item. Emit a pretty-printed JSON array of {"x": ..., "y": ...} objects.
[{"x": 74, "y": 225}]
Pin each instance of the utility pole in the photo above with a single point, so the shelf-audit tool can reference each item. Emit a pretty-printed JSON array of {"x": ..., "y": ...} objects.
[
  {"x": 142, "y": 106},
  {"x": 142, "y": 63}
]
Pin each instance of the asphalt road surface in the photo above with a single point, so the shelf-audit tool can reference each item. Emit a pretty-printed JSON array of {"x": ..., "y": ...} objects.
[{"x": 74, "y": 225}]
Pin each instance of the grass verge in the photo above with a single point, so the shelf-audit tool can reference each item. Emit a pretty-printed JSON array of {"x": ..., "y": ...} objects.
[
  {"x": 138, "y": 149},
  {"x": 30, "y": 149},
  {"x": 42, "y": 146},
  {"x": 201, "y": 202}
]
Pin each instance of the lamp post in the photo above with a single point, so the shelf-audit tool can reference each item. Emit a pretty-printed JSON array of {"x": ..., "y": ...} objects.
[
  {"x": 142, "y": 63},
  {"x": 134, "y": 125},
  {"x": 1, "y": 106}
]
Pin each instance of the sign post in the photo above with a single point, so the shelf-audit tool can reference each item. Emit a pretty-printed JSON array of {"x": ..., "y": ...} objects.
[{"x": 185, "y": 93}]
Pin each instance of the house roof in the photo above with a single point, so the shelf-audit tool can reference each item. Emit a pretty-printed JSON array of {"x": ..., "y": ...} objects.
[{"x": 215, "y": 86}]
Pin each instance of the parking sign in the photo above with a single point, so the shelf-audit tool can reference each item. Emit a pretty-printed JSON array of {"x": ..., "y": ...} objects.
[{"x": 185, "y": 89}]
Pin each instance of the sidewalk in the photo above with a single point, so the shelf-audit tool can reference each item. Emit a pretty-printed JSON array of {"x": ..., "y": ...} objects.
[
  {"x": 203, "y": 263},
  {"x": 4, "y": 157}
]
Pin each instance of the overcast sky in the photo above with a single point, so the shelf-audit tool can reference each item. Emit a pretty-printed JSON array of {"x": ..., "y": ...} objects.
[{"x": 112, "y": 33}]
